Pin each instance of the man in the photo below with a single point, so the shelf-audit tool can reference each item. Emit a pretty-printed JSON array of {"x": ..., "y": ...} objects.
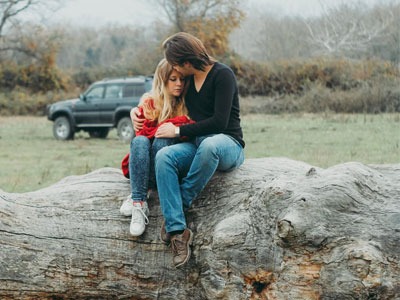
[{"x": 216, "y": 138}]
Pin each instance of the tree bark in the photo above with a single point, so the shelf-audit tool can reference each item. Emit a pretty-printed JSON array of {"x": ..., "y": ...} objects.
[{"x": 273, "y": 229}]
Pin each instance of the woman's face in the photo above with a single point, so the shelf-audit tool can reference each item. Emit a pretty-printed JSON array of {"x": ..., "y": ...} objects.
[{"x": 175, "y": 84}]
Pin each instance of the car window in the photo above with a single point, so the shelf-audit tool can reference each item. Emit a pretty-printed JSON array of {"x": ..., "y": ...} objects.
[
  {"x": 95, "y": 92},
  {"x": 113, "y": 91},
  {"x": 133, "y": 90}
]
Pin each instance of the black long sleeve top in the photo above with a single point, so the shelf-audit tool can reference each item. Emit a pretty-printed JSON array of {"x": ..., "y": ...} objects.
[{"x": 215, "y": 107}]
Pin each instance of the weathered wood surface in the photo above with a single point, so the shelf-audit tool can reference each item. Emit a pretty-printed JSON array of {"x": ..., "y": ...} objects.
[{"x": 274, "y": 229}]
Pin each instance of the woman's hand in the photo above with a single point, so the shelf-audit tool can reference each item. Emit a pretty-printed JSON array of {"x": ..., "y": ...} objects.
[
  {"x": 166, "y": 130},
  {"x": 137, "y": 122}
]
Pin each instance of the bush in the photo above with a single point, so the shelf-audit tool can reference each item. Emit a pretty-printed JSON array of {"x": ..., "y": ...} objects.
[
  {"x": 380, "y": 97},
  {"x": 383, "y": 97},
  {"x": 295, "y": 77},
  {"x": 22, "y": 101},
  {"x": 35, "y": 77}
]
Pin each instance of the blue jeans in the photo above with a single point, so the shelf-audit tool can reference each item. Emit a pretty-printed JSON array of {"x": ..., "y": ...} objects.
[
  {"x": 184, "y": 169},
  {"x": 141, "y": 164}
]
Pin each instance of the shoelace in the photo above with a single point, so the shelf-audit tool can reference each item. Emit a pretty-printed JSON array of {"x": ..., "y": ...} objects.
[
  {"x": 175, "y": 245},
  {"x": 140, "y": 210}
]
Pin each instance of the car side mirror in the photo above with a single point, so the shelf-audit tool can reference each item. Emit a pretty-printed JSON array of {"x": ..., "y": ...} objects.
[{"x": 82, "y": 97}]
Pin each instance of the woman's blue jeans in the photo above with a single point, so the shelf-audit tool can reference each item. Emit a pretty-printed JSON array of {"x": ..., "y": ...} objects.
[
  {"x": 184, "y": 169},
  {"x": 141, "y": 164}
]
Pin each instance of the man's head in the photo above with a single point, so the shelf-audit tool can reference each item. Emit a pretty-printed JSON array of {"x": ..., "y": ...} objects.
[{"x": 183, "y": 47}]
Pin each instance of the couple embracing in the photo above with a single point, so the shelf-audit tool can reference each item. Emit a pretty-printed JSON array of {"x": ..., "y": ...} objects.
[{"x": 187, "y": 127}]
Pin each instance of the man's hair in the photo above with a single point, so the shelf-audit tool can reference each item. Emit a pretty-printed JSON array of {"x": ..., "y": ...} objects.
[{"x": 183, "y": 47}]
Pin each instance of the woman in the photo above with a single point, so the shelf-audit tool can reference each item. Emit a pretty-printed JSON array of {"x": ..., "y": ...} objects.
[{"x": 165, "y": 103}]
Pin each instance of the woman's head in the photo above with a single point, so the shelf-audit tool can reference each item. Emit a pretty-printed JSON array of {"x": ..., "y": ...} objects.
[
  {"x": 167, "y": 92},
  {"x": 183, "y": 47},
  {"x": 168, "y": 81}
]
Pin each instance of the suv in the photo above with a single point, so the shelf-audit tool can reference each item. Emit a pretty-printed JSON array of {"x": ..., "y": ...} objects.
[{"x": 105, "y": 104}]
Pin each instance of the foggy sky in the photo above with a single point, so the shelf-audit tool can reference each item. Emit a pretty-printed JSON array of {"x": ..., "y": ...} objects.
[{"x": 143, "y": 12}]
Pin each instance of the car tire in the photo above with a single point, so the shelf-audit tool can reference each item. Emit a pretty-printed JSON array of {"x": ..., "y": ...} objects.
[
  {"x": 62, "y": 129},
  {"x": 125, "y": 129},
  {"x": 99, "y": 133}
]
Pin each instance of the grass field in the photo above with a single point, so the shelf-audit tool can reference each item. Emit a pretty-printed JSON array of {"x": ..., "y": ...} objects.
[{"x": 30, "y": 158}]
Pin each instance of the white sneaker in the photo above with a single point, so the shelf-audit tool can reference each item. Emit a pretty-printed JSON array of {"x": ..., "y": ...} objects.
[
  {"x": 126, "y": 207},
  {"x": 139, "y": 218}
]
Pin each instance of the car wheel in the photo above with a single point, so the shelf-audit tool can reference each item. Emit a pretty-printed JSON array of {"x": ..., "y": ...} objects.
[
  {"x": 125, "y": 129},
  {"x": 99, "y": 133},
  {"x": 62, "y": 129}
]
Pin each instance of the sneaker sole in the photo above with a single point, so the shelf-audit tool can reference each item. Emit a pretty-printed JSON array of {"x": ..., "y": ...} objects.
[
  {"x": 189, "y": 251},
  {"x": 136, "y": 234}
]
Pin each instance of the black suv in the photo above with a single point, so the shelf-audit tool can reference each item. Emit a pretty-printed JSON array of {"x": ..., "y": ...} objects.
[{"x": 105, "y": 104}]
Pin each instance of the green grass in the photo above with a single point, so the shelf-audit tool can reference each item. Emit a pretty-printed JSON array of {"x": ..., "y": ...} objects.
[
  {"x": 30, "y": 158},
  {"x": 325, "y": 140}
]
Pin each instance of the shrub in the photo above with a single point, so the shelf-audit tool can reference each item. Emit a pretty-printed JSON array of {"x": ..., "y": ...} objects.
[
  {"x": 380, "y": 97},
  {"x": 22, "y": 101},
  {"x": 295, "y": 77},
  {"x": 36, "y": 77}
]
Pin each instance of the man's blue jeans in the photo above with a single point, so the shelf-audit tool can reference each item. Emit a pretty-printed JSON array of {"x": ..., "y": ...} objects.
[
  {"x": 141, "y": 164},
  {"x": 184, "y": 169}
]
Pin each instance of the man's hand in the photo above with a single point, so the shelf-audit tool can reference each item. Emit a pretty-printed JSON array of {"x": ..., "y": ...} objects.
[
  {"x": 166, "y": 130},
  {"x": 137, "y": 122}
]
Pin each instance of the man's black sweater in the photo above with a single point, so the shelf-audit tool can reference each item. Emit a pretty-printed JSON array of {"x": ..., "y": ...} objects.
[{"x": 215, "y": 108}]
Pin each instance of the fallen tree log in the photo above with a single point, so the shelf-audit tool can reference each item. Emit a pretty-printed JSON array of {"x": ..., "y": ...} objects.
[{"x": 273, "y": 229}]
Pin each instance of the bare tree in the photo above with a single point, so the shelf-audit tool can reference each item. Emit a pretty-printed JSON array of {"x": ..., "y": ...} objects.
[
  {"x": 12, "y": 37},
  {"x": 210, "y": 20},
  {"x": 346, "y": 29},
  {"x": 350, "y": 30},
  {"x": 181, "y": 12}
]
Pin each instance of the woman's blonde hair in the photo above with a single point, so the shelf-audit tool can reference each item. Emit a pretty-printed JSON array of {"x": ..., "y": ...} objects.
[{"x": 165, "y": 105}]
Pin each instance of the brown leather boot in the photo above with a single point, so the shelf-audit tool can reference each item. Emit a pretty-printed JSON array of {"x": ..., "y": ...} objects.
[
  {"x": 165, "y": 237},
  {"x": 180, "y": 244}
]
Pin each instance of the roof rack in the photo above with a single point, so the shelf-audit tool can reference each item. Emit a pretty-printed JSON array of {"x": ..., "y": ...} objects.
[{"x": 128, "y": 77}]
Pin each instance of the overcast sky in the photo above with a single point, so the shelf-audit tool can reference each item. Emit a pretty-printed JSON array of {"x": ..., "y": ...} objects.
[{"x": 141, "y": 12}]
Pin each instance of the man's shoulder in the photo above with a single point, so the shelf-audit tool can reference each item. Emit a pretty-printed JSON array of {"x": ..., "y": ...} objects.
[
  {"x": 223, "y": 73},
  {"x": 221, "y": 68}
]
